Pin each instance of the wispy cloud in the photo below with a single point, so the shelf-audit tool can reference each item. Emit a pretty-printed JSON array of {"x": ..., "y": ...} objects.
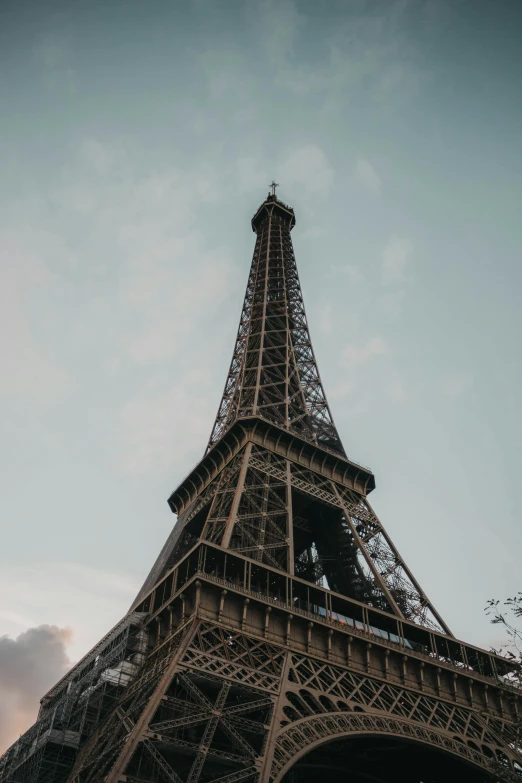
[
  {"x": 339, "y": 390},
  {"x": 363, "y": 47},
  {"x": 102, "y": 158},
  {"x": 312, "y": 232},
  {"x": 361, "y": 354},
  {"x": 326, "y": 319},
  {"x": 456, "y": 385},
  {"x": 141, "y": 239},
  {"x": 29, "y": 370},
  {"x": 251, "y": 175},
  {"x": 170, "y": 295},
  {"x": 227, "y": 73},
  {"x": 395, "y": 258},
  {"x": 57, "y": 72},
  {"x": 349, "y": 270},
  {"x": 401, "y": 388},
  {"x": 279, "y": 23},
  {"x": 152, "y": 426},
  {"x": 307, "y": 167},
  {"x": 354, "y": 362},
  {"x": 367, "y": 176},
  {"x": 164, "y": 280}
]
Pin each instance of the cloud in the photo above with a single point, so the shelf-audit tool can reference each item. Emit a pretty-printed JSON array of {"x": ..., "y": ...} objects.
[
  {"x": 143, "y": 289},
  {"x": 227, "y": 73},
  {"x": 153, "y": 426},
  {"x": 307, "y": 167},
  {"x": 163, "y": 280},
  {"x": 340, "y": 390},
  {"x": 251, "y": 176},
  {"x": 394, "y": 259},
  {"x": 64, "y": 594},
  {"x": 30, "y": 664},
  {"x": 278, "y": 21},
  {"x": 57, "y": 612},
  {"x": 367, "y": 176},
  {"x": 355, "y": 355},
  {"x": 401, "y": 389},
  {"x": 102, "y": 158},
  {"x": 455, "y": 385},
  {"x": 28, "y": 368},
  {"x": 56, "y": 71},
  {"x": 313, "y": 232},
  {"x": 171, "y": 294},
  {"x": 369, "y": 48},
  {"x": 51, "y": 54},
  {"x": 350, "y": 270},
  {"x": 280, "y": 25},
  {"x": 325, "y": 319}
]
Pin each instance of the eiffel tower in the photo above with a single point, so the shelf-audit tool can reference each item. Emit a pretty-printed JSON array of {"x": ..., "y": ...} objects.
[{"x": 280, "y": 635}]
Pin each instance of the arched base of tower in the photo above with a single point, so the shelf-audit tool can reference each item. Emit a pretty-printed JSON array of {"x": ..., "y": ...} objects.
[{"x": 381, "y": 759}]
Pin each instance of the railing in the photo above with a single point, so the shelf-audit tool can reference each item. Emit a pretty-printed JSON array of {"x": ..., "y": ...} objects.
[
  {"x": 404, "y": 646},
  {"x": 318, "y": 443},
  {"x": 294, "y": 433}
]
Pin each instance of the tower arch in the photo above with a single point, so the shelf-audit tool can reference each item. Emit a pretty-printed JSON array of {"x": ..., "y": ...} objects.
[{"x": 359, "y": 735}]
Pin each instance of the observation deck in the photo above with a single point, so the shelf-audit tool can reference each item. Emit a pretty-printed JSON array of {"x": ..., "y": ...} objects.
[{"x": 272, "y": 206}]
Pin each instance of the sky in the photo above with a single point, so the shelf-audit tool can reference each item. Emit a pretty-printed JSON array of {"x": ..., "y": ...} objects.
[{"x": 136, "y": 142}]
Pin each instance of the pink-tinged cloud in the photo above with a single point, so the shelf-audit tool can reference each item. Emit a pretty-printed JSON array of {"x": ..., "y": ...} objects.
[{"x": 29, "y": 665}]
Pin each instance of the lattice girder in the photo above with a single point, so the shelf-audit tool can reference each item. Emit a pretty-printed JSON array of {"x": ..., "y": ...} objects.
[
  {"x": 273, "y": 372},
  {"x": 192, "y": 723},
  {"x": 338, "y": 536},
  {"x": 229, "y": 705}
]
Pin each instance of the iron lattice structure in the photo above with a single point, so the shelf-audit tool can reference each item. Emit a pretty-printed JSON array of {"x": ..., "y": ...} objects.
[
  {"x": 273, "y": 373},
  {"x": 279, "y": 618}
]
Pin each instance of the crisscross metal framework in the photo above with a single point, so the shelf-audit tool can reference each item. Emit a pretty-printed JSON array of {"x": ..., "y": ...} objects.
[
  {"x": 279, "y": 615},
  {"x": 273, "y": 372}
]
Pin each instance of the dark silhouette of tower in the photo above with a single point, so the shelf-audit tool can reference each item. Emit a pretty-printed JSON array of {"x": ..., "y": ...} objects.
[{"x": 279, "y": 635}]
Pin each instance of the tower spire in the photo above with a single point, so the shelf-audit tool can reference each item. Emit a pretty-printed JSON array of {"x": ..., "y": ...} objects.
[{"x": 273, "y": 373}]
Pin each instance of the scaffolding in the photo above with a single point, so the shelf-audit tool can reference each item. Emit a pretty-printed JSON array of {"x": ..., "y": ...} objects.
[{"x": 71, "y": 710}]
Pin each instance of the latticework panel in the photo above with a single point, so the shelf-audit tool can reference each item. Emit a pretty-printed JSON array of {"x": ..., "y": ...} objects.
[
  {"x": 379, "y": 550},
  {"x": 297, "y": 520},
  {"x": 100, "y": 753},
  {"x": 261, "y": 529},
  {"x": 336, "y": 535},
  {"x": 225, "y": 488},
  {"x": 340, "y": 689},
  {"x": 323, "y": 701},
  {"x": 223, "y": 480},
  {"x": 216, "y": 650},
  {"x": 198, "y": 711}
]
